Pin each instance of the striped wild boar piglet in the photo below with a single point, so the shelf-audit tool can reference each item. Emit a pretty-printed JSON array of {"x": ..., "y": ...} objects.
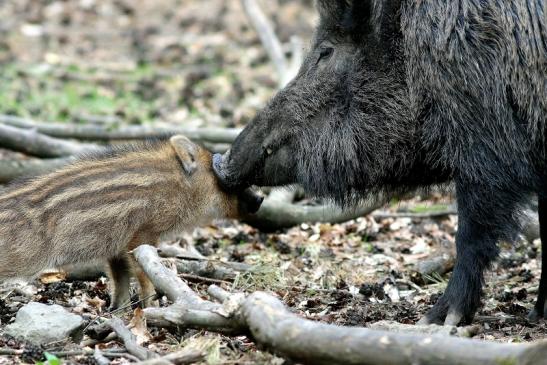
[{"x": 102, "y": 206}]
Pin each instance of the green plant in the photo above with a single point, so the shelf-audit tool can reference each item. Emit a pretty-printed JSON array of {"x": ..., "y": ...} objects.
[{"x": 50, "y": 360}]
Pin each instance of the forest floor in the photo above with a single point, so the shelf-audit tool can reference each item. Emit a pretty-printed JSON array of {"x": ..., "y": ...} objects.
[{"x": 199, "y": 63}]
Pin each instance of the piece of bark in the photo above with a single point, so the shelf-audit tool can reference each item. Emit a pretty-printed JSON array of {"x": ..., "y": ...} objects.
[
  {"x": 175, "y": 250},
  {"x": 203, "y": 279}
]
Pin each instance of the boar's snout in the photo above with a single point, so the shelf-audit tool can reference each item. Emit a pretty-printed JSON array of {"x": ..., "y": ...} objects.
[
  {"x": 220, "y": 168},
  {"x": 249, "y": 200}
]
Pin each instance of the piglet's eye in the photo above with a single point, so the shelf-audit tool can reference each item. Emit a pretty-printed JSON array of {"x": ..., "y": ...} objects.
[{"x": 325, "y": 53}]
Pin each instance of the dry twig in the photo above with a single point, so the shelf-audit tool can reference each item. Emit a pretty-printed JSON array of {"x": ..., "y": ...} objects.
[{"x": 129, "y": 340}]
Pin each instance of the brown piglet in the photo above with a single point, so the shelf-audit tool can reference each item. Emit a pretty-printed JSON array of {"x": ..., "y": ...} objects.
[{"x": 102, "y": 206}]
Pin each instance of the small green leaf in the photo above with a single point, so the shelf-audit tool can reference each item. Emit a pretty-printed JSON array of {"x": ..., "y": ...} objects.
[{"x": 52, "y": 359}]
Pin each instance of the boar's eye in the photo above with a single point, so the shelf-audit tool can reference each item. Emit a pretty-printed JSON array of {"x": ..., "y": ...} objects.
[{"x": 325, "y": 53}]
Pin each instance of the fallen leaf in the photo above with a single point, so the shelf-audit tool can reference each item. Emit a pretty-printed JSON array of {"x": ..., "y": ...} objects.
[
  {"x": 52, "y": 277},
  {"x": 138, "y": 327}
]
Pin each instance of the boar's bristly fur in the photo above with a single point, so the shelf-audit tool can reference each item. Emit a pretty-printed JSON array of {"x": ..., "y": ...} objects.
[
  {"x": 395, "y": 95},
  {"x": 102, "y": 206}
]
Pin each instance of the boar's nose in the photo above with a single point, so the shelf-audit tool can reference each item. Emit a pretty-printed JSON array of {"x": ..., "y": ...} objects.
[{"x": 250, "y": 201}]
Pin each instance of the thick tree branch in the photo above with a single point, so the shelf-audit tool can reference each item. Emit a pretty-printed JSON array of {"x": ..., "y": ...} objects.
[
  {"x": 111, "y": 133},
  {"x": 278, "y": 211},
  {"x": 34, "y": 143},
  {"x": 165, "y": 280}
]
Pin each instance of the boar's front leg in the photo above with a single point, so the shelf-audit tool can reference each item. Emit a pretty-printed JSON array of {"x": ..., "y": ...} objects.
[{"x": 480, "y": 226}]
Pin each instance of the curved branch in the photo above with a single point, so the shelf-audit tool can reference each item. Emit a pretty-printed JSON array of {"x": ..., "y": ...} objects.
[
  {"x": 275, "y": 327},
  {"x": 278, "y": 211}
]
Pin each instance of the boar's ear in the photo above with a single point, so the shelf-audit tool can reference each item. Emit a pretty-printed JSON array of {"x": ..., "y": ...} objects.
[
  {"x": 186, "y": 152},
  {"x": 357, "y": 17},
  {"x": 361, "y": 17}
]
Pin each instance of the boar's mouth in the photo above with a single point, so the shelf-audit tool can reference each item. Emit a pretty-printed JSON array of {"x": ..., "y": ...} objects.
[{"x": 249, "y": 201}]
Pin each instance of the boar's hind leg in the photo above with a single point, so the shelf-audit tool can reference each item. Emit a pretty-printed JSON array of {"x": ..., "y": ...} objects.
[
  {"x": 476, "y": 244},
  {"x": 540, "y": 310},
  {"x": 120, "y": 275}
]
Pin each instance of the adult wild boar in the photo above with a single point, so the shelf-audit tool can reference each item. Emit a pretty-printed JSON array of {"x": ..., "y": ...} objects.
[{"x": 395, "y": 95}]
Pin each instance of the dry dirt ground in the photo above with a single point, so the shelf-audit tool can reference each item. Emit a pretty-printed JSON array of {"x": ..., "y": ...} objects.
[{"x": 198, "y": 63}]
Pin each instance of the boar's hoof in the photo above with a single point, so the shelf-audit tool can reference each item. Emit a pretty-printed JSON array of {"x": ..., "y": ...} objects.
[
  {"x": 537, "y": 313},
  {"x": 443, "y": 313},
  {"x": 533, "y": 316},
  {"x": 424, "y": 321},
  {"x": 453, "y": 318}
]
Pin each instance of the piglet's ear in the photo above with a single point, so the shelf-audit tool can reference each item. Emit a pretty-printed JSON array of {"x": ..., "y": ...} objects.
[{"x": 186, "y": 151}]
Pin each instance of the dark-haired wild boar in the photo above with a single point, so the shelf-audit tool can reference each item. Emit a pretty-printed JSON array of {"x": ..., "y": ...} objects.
[
  {"x": 100, "y": 207},
  {"x": 400, "y": 94}
]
